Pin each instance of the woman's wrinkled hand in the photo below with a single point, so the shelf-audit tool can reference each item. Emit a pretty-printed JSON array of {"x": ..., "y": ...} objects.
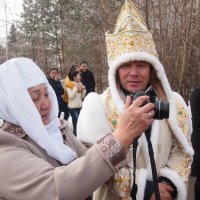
[{"x": 135, "y": 119}]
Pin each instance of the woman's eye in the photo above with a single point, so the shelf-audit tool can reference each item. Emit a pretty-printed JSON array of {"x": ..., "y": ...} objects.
[
  {"x": 46, "y": 95},
  {"x": 35, "y": 99}
]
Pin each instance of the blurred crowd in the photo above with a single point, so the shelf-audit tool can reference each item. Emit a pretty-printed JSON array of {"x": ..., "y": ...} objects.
[{"x": 71, "y": 91}]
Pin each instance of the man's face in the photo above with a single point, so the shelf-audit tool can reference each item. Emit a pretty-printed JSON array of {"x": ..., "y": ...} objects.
[
  {"x": 84, "y": 67},
  {"x": 134, "y": 76}
]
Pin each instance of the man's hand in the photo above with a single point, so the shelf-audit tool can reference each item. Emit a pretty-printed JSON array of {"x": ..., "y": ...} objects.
[{"x": 165, "y": 192}]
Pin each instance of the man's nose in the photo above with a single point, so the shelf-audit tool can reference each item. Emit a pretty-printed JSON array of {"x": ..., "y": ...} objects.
[{"x": 133, "y": 70}]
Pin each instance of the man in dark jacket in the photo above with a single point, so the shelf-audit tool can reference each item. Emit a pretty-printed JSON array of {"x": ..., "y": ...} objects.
[
  {"x": 57, "y": 86},
  {"x": 195, "y": 109},
  {"x": 87, "y": 77}
]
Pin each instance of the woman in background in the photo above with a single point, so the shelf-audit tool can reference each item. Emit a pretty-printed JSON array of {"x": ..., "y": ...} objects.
[{"x": 75, "y": 97}]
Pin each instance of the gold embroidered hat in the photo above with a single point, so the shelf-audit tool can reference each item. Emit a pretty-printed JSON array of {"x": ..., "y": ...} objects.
[{"x": 130, "y": 34}]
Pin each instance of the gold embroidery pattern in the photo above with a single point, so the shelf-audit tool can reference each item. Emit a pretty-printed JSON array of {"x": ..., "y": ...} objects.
[
  {"x": 113, "y": 119},
  {"x": 183, "y": 120},
  {"x": 122, "y": 187},
  {"x": 130, "y": 34},
  {"x": 184, "y": 168},
  {"x": 120, "y": 184},
  {"x": 128, "y": 42}
]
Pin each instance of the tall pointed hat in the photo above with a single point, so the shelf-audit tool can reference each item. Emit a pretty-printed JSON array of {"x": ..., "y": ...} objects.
[{"x": 130, "y": 34}]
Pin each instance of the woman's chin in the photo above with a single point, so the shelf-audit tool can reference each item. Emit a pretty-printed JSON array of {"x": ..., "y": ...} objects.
[{"x": 45, "y": 121}]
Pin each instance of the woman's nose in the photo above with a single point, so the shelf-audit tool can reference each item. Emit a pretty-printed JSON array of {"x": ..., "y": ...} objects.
[{"x": 44, "y": 104}]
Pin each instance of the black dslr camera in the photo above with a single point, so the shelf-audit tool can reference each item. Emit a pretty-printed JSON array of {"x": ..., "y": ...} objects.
[{"x": 161, "y": 107}]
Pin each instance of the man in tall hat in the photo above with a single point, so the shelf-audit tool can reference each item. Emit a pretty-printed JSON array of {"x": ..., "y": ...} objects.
[{"x": 133, "y": 67}]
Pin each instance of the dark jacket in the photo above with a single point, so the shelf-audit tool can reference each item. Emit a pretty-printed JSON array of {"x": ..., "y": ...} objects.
[
  {"x": 195, "y": 109},
  {"x": 88, "y": 81},
  {"x": 56, "y": 85}
]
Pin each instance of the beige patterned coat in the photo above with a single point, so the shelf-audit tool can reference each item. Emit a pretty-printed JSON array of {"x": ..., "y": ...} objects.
[{"x": 28, "y": 173}]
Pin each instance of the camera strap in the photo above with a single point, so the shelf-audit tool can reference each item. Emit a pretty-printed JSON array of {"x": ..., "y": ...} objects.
[
  {"x": 153, "y": 165},
  {"x": 134, "y": 186}
]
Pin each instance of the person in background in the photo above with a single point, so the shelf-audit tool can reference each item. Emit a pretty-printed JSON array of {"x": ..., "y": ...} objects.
[
  {"x": 57, "y": 86},
  {"x": 87, "y": 77},
  {"x": 75, "y": 97},
  {"x": 36, "y": 161},
  {"x": 133, "y": 67},
  {"x": 68, "y": 82},
  {"x": 195, "y": 111}
]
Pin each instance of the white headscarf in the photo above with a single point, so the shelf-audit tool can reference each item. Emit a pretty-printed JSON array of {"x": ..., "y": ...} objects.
[{"x": 17, "y": 107}]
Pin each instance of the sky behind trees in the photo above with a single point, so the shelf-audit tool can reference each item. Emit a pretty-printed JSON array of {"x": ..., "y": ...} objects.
[{"x": 13, "y": 10}]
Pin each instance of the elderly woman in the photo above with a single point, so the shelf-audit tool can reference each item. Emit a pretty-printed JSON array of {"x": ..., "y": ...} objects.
[{"x": 40, "y": 157}]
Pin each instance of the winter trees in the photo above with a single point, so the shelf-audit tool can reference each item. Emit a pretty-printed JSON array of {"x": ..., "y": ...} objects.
[{"x": 61, "y": 33}]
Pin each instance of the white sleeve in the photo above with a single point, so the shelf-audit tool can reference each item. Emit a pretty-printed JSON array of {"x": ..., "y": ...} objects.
[{"x": 92, "y": 122}]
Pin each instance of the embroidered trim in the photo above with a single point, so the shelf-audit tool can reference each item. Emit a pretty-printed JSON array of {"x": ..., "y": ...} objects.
[
  {"x": 184, "y": 168},
  {"x": 113, "y": 151},
  {"x": 183, "y": 120},
  {"x": 13, "y": 129},
  {"x": 120, "y": 183},
  {"x": 113, "y": 119}
]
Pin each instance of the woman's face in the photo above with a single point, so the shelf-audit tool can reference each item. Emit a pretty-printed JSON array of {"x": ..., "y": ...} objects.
[
  {"x": 39, "y": 95},
  {"x": 77, "y": 78},
  {"x": 53, "y": 74}
]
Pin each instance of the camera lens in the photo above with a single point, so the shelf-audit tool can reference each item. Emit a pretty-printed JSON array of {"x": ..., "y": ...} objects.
[{"x": 161, "y": 109}]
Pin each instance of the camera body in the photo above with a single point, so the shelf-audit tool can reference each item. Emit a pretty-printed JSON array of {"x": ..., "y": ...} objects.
[{"x": 161, "y": 107}]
